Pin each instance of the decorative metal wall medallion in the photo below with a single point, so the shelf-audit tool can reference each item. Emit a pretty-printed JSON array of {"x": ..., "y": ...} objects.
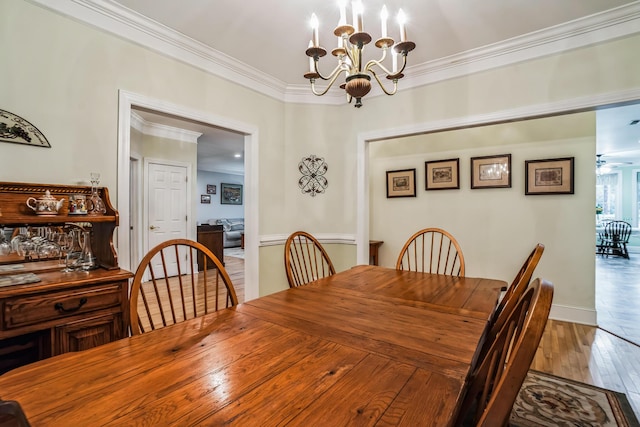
[
  {"x": 19, "y": 131},
  {"x": 312, "y": 180}
]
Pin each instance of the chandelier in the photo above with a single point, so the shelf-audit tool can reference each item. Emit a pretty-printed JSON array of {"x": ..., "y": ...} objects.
[{"x": 349, "y": 53}]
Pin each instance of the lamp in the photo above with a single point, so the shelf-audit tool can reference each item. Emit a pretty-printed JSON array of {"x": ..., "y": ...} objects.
[{"x": 349, "y": 53}]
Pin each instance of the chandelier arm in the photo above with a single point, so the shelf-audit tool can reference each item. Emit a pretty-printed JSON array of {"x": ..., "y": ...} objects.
[
  {"x": 313, "y": 84},
  {"x": 332, "y": 75},
  {"x": 395, "y": 84},
  {"x": 404, "y": 65},
  {"x": 351, "y": 58},
  {"x": 371, "y": 63}
]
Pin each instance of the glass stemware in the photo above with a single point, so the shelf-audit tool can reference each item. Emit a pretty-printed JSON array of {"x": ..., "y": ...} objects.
[
  {"x": 5, "y": 246},
  {"x": 96, "y": 205},
  {"x": 73, "y": 251}
]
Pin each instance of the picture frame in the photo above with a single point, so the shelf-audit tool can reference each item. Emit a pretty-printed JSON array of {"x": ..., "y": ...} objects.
[
  {"x": 211, "y": 189},
  {"x": 230, "y": 194},
  {"x": 401, "y": 183},
  {"x": 491, "y": 171},
  {"x": 442, "y": 174},
  {"x": 205, "y": 198},
  {"x": 549, "y": 176}
]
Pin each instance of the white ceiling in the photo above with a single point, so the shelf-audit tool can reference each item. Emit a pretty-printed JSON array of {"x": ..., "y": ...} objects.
[
  {"x": 268, "y": 39},
  {"x": 271, "y": 36}
]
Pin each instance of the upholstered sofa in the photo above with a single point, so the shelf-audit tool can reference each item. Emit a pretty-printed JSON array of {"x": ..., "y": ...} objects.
[{"x": 233, "y": 228}]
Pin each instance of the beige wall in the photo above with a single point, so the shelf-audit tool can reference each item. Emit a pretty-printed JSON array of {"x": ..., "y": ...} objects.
[{"x": 65, "y": 77}]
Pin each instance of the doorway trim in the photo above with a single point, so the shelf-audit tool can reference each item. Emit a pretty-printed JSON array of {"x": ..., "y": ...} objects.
[
  {"x": 135, "y": 208},
  {"x": 127, "y": 100}
]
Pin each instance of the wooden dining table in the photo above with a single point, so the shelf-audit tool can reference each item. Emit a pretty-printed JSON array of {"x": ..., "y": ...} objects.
[{"x": 367, "y": 346}]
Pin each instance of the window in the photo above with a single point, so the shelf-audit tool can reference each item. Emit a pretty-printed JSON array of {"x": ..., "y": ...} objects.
[
  {"x": 635, "y": 206},
  {"x": 608, "y": 196}
]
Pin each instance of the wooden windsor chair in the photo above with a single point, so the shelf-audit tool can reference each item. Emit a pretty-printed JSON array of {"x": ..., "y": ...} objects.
[
  {"x": 515, "y": 290},
  {"x": 432, "y": 250},
  {"x": 614, "y": 239},
  {"x": 305, "y": 260},
  {"x": 168, "y": 288},
  {"x": 495, "y": 383}
]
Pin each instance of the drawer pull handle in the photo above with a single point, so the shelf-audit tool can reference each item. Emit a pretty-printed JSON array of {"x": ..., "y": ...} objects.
[{"x": 60, "y": 307}]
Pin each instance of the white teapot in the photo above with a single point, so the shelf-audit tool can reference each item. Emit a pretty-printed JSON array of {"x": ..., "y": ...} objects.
[{"x": 45, "y": 205}]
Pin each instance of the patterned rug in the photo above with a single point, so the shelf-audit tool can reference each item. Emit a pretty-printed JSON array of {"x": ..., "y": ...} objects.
[{"x": 547, "y": 400}]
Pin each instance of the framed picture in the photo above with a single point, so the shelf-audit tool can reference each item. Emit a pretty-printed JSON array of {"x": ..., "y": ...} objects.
[
  {"x": 230, "y": 194},
  {"x": 442, "y": 174},
  {"x": 491, "y": 171},
  {"x": 205, "y": 198},
  {"x": 401, "y": 183},
  {"x": 549, "y": 176},
  {"x": 211, "y": 189}
]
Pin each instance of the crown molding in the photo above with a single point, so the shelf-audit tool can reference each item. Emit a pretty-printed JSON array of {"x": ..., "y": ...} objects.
[
  {"x": 614, "y": 23},
  {"x": 224, "y": 171},
  {"x": 163, "y": 131},
  {"x": 122, "y": 22}
]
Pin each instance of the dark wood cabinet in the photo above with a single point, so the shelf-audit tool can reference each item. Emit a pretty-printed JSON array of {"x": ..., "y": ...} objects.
[
  {"x": 62, "y": 311},
  {"x": 211, "y": 237}
]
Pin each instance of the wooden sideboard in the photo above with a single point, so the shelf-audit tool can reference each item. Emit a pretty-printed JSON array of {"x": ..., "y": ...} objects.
[
  {"x": 62, "y": 311},
  {"x": 211, "y": 236}
]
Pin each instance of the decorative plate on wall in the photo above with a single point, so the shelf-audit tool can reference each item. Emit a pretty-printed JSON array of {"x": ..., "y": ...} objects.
[{"x": 17, "y": 130}]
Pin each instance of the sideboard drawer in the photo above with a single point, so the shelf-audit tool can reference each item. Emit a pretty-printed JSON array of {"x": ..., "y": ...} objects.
[{"x": 28, "y": 310}]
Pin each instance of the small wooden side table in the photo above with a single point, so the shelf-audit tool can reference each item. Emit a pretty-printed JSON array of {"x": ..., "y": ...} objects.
[{"x": 373, "y": 251}]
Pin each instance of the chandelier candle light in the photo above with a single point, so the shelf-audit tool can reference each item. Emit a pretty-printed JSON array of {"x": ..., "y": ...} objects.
[{"x": 351, "y": 42}]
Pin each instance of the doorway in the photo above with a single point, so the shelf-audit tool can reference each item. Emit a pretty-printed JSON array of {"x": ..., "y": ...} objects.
[
  {"x": 617, "y": 168},
  {"x": 129, "y": 101},
  {"x": 363, "y": 191}
]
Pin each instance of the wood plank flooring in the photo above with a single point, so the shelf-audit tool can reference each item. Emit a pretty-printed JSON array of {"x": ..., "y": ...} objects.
[
  {"x": 618, "y": 295},
  {"x": 579, "y": 352},
  {"x": 235, "y": 270}
]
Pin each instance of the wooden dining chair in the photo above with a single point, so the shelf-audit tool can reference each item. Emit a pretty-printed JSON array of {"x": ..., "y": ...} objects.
[
  {"x": 432, "y": 250},
  {"x": 168, "y": 287},
  {"x": 12, "y": 415},
  {"x": 305, "y": 260},
  {"x": 495, "y": 383},
  {"x": 515, "y": 290},
  {"x": 614, "y": 239}
]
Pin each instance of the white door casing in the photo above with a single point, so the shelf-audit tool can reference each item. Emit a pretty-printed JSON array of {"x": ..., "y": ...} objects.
[{"x": 127, "y": 100}]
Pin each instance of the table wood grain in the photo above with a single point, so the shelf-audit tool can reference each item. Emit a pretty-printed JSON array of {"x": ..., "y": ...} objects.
[{"x": 368, "y": 346}]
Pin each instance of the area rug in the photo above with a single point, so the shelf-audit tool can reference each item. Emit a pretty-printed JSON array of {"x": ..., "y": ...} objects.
[
  {"x": 234, "y": 252},
  {"x": 547, "y": 400}
]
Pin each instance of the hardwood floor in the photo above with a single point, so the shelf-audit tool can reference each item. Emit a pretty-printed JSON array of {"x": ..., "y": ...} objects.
[
  {"x": 618, "y": 295},
  {"x": 235, "y": 270},
  {"x": 579, "y": 352}
]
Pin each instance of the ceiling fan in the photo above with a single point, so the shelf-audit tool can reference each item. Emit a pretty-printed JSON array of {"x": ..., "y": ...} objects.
[{"x": 600, "y": 162}]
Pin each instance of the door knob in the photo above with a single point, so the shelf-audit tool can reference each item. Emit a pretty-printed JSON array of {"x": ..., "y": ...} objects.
[{"x": 153, "y": 227}]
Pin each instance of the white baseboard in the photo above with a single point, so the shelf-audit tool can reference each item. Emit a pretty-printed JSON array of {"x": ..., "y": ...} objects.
[{"x": 574, "y": 314}]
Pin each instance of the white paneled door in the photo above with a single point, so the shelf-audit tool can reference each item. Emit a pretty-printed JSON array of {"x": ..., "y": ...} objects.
[{"x": 167, "y": 201}]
